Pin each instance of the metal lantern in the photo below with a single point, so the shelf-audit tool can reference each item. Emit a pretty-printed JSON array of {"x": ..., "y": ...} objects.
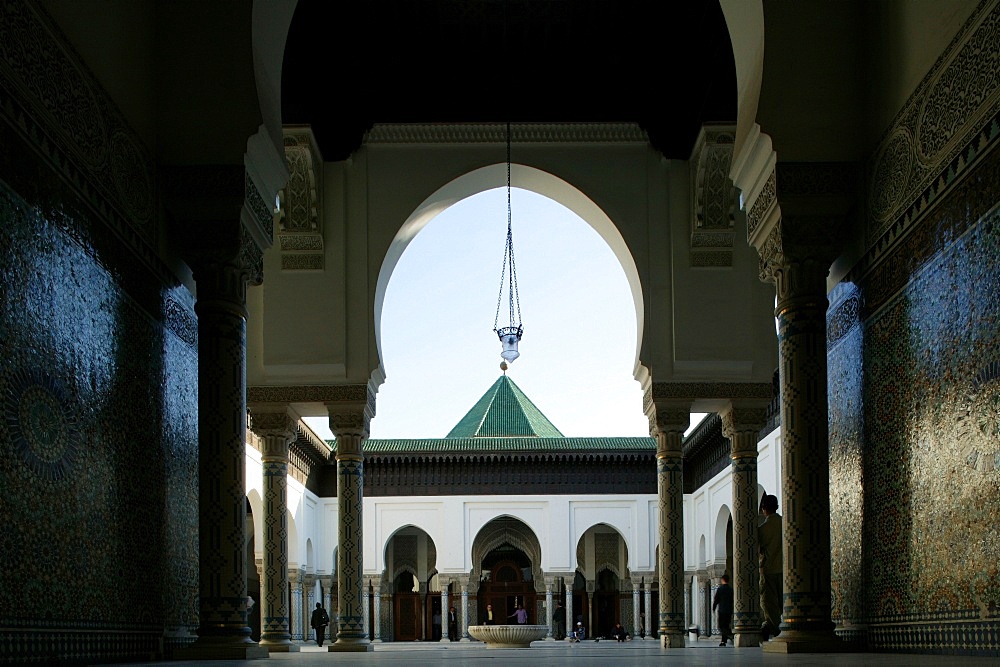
[{"x": 510, "y": 334}]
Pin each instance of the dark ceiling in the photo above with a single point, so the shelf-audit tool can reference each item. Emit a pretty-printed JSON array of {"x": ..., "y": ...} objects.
[{"x": 667, "y": 66}]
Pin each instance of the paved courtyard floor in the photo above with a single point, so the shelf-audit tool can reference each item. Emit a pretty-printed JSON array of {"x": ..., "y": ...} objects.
[{"x": 584, "y": 654}]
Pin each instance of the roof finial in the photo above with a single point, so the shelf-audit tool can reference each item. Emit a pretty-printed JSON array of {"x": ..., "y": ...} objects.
[{"x": 503, "y": 367}]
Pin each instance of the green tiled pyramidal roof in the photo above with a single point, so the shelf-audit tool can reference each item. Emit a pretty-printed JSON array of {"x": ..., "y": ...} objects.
[{"x": 504, "y": 412}]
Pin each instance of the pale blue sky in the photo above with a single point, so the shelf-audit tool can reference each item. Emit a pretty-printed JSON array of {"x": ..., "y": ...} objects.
[{"x": 438, "y": 347}]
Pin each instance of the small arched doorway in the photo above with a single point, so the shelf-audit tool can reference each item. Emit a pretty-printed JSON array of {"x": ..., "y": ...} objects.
[
  {"x": 607, "y": 603},
  {"x": 507, "y": 583}
]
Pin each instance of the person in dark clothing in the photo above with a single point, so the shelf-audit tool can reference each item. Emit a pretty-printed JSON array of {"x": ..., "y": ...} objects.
[
  {"x": 723, "y": 603},
  {"x": 559, "y": 619},
  {"x": 320, "y": 619},
  {"x": 619, "y": 633},
  {"x": 452, "y": 624}
]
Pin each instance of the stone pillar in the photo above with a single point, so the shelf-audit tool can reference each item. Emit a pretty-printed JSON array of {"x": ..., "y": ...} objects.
[
  {"x": 688, "y": 601},
  {"x": 465, "y": 612},
  {"x": 308, "y": 604},
  {"x": 589, "y": 621},
  {"x": 636, "y": 622},
  {"x": 276, "y": 428},
  {"x": 349, "y": 419},
  {"x": 328, "y": 601},
  {"x": 221, "y": 272},
  {"x": 797, "y": 257},
  {"x": 648, "y": 626},
  {"x": 300, "y": 597},
  {"x": 741, "y": 423},
  {"x": 669, "y": 422},
  {"x": 709, "y": 616},
  {"x": 548, "y": 609},
  {"x": 570, "y": 618},
  {"x": 377, "y": 610},
  {"x": 365, "y": 607},
  {"x": 444, "y": 610}
]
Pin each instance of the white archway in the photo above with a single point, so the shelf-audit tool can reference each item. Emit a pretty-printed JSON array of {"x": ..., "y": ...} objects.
[{"x": 526, "y": 178}]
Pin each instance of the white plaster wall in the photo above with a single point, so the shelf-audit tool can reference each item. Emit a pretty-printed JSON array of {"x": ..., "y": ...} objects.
[{"x": 559, "y": 522}]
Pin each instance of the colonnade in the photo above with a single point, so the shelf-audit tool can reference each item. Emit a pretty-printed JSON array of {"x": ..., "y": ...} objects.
[{"x": 796, "y": 254}]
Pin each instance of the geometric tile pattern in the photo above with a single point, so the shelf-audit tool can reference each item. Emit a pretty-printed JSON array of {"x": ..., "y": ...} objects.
[
  {"x": 87, "y": 334},
  {"x": 919, "y": 431}
]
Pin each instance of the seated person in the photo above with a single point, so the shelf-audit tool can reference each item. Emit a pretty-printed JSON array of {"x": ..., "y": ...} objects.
[
  {"x": 580, "y": 632},
  {"x": 619, "y": 632}
]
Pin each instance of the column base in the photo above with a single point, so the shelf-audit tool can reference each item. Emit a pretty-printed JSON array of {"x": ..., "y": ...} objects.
[
  {"x": 214, "y": 649},
  {"x": 550, "y": 639},
  {"x": 376, "y": 641},
  {"x": 351, "y": 646},
  {"x": 798, "y": 641},
  {"x": 464, "y": 640},
  {"x": 746, "y": 639},
  {"x": 672, "y": 640},
  {"x": 280, "y": 647}
]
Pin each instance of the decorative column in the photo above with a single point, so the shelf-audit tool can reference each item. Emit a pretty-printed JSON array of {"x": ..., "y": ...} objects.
[
  {"x": 349, "y": 419},
  {"x": 688, "y": 600},
  {"x": 209, "y": 203},
  {"x": 706, "y": 604},
  {"x": 465, "y": 611},
  {"x": 444, "y": 610},
  {"x": 308, "y": 604},
  {"x": 649, "y": 611},
  {"x": 570, "y": 618},
  {"x": 276, "y": 428},
  {"x": 742, "y": 423},
  {"x": 548, "y": 608},
  {"x": 591, "y": 586},
  {"x": 328, "y": 601},
  {"x": 296, "y": 580},
  {"x": 365, "y": 606},
  {"x": 636, "y": 621},
  {"x": 377, "y": 610},
  {"x": 797, "y": 256},
  {"x": 670, "y": 420}
]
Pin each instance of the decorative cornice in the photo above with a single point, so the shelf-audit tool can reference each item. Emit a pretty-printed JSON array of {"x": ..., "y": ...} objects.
[
  {"x": 710, "y": 390},
  {"x": 492, "y": 133},
  {"x": 308, "y": 393}
]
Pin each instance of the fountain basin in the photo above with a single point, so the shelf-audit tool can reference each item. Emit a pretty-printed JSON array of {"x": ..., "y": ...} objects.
[{"x": 508, "y": 636}]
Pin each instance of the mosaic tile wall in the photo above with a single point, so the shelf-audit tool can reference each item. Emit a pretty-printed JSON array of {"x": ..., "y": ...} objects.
[
  {"x": 98, "y": 473},
  {"x": 914, "y": 378}
]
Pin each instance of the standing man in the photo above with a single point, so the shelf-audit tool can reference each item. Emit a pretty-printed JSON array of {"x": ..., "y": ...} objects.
[
  {"x": 771, "y": 567},
  {"x": 723, "y": 603},
  {"x": 320, "y": 619},
  {"x": 559, "y": 619},
  {"x": 452, "y": 624},
  {"x": 489, "y": 615}
]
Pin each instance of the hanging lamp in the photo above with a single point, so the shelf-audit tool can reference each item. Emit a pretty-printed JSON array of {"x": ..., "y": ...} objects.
[{"x": 510, "y": 333}]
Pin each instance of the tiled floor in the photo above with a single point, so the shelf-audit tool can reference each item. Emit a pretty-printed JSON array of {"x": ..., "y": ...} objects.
[{"x": 586, "y": 654}]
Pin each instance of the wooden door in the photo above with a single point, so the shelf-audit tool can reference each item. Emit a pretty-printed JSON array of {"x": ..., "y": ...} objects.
[{"x": 407, "y": 617}]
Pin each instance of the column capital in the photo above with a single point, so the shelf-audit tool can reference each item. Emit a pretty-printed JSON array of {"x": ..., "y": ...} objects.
[
  {"x": 274, "y": 421},
  {"x": 746, "y": 419},
  {"x": 350, "y": 415}
]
